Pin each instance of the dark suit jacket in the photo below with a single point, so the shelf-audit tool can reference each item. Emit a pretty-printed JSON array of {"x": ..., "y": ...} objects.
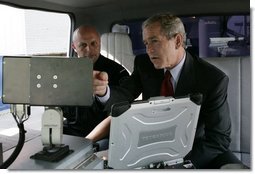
[{"x": 214, "y": 126}]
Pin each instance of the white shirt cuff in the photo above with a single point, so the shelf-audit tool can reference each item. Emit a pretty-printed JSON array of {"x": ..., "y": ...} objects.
[{"x": 104, "y": 98}]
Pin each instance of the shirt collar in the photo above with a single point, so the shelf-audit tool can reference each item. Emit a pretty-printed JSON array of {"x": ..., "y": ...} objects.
[{"x": 176, "y": 71}]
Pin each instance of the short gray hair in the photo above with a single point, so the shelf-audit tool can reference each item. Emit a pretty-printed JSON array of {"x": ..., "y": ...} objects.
[{"x": 170, "y": 25}]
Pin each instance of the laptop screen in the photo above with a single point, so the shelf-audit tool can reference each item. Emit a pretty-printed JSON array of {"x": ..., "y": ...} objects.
[{"x": 159, "y": 130}]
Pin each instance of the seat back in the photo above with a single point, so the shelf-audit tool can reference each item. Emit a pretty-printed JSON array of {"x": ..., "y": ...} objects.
[
  {"x": 238, "y": 70},
  {"x": 118, "y": 47}
]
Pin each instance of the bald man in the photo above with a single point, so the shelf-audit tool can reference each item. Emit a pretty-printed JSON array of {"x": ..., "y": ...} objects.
[
  {"x": 86, "y": 42},
  {"x": 80, "y": 121}
]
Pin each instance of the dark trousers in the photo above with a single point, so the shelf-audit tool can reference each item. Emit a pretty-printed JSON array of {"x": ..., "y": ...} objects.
[
  {"x": 70, "y": 130},
  {"x": 224, "y": 160}
]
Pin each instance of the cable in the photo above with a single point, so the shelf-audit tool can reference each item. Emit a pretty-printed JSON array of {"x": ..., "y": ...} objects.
[
  {"x": 20, "y": 119},
  {"x": 18, "y": 148}
]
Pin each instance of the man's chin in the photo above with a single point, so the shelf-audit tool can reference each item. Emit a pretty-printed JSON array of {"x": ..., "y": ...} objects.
[
  {"x": 157, "y": 66},
  {"x": 86, "y": 57}
]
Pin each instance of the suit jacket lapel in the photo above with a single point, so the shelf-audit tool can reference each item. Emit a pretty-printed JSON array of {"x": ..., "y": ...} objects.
[
  {"x": 155, "y": 79},
  {"x": 186, "y": 80},
  {"x": 150, "y": 77}
]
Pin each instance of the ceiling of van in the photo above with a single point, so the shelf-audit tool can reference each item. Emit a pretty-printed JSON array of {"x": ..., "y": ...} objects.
[
  {"x": 80, "y": 3},
  {"x": 124, "y": 3},
  {"x": 135, "y": 6}
]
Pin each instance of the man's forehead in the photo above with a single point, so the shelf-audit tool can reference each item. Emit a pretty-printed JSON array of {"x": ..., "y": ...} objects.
[
  {"x": 88, "y": 39},
  {"x": 151, "y": 33},
  {"x": 87, "y": 35},
  {"x": 151, "y": 37}
]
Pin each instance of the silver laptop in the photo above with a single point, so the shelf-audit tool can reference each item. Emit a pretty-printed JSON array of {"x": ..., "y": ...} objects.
[{"x": 159, "y": 130}]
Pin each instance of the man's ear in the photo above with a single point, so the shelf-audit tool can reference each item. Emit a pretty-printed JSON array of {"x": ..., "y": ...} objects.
[
  {"x": 178, "y": 41},
  {"x": 73, "y": 47}
]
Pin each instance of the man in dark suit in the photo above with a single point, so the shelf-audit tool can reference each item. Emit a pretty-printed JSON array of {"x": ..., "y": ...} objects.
[
  {"x": 80, "y": 121},
  {"x": 164, "y": 38}
]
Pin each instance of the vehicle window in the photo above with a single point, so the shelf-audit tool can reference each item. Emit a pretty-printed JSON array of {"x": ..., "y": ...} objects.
[
  {"x": 207, "y": 36},
  {"x": 33, "y": 32}
]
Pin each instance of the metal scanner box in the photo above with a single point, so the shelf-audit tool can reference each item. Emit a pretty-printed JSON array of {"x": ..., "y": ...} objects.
[{"x": 47, "y": 81}]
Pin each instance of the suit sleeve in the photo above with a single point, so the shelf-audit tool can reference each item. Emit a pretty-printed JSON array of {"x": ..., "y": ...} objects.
[
  {"x": 117, "y": 74},
  {"x": 129, "y": 89}
]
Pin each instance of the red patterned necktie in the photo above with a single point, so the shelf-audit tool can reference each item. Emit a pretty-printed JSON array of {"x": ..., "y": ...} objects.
[{"x": 167, "y": 86}]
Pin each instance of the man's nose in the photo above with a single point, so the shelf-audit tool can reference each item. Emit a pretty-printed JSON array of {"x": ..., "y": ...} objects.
[
  {"x": 149, "y": 48},
  {"x": 87, "y": 49}
]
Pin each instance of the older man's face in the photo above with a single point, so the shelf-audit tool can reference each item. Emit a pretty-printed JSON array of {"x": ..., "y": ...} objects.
[
  {"x": 160, "y": 49},
  {"x": 87, "y": 45}
]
